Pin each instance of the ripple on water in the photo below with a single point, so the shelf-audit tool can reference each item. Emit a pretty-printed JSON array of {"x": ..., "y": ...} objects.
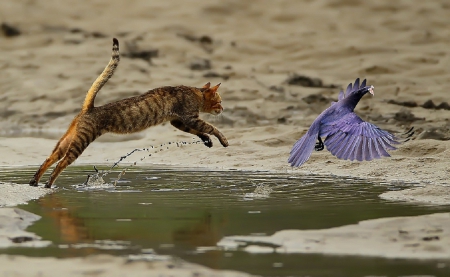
[{"x": 184, "y": 213}]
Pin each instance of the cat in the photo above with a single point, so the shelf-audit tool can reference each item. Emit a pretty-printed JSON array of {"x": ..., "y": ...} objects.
[{"x": 180, "y": 105}]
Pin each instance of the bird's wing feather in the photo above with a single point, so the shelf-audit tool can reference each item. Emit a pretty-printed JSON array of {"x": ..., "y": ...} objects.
[
  {"x": 356, "y": 85},
  {"x": 302, "y": 149},
  {"x": 348, "y": 90},
  {"x": 363, "y": 84},
  {"x": 341, "y": 95},
  {"x": 351, "y": 138}
]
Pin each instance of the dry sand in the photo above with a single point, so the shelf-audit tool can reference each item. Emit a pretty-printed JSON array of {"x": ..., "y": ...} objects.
[{"x": 401, "y": 47}]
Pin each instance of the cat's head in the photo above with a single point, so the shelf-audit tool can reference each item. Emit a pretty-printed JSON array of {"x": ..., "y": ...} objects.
[{"x": 212, "y": 102}]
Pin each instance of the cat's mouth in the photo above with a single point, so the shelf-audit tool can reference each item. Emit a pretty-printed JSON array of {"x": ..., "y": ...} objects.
[{"x": 216, "y": 112}]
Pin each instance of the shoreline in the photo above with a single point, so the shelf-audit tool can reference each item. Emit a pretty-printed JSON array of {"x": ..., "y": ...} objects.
[{"x": 424, "y": 174}]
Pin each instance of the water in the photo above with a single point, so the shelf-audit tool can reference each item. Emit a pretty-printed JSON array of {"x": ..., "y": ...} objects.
[{"x": 184, "y": 213}]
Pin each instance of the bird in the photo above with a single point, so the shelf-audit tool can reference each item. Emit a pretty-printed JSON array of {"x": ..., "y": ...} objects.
[{"x": 347, "y": 136}]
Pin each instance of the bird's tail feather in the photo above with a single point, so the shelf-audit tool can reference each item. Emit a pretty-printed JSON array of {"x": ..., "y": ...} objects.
[
  {"x": 408, "y": 135},
  {"x": 302, "y": 150}
]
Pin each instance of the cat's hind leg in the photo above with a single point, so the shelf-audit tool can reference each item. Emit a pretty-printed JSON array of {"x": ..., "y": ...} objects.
[
  {"x": 75, "y": 149},
  {"x": 58, "y": 153}
]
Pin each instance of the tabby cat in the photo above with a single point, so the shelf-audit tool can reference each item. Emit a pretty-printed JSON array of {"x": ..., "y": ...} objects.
[{"x": 180, "y": 105}]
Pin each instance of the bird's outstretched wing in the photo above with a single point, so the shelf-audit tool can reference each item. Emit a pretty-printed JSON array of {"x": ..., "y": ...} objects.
[
  {"x": 351, "y": 138},
  {"x": 302, "y": 149}
]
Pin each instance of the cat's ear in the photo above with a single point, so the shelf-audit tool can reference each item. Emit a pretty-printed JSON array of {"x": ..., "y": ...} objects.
[
  {"x": 214, "y": 88},
  {"x": 212, "y": 91},
  {"x": 207, "y": 85}
]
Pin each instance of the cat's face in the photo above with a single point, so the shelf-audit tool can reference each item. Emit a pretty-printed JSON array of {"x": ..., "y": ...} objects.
[{"x": 212, "y": 100}]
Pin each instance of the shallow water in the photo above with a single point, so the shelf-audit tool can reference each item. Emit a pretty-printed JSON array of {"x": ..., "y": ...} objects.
[{"x": 184, "y": 213}]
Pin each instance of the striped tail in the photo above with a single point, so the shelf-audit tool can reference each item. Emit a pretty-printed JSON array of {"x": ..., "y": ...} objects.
[{"x": 103, "y": 78}]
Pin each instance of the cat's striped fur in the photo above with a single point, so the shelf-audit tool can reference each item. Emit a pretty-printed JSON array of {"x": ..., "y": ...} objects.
[{"x": 180, "y": 105}]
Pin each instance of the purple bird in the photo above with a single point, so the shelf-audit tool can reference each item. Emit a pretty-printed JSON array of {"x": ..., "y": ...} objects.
[{"x": 348, "y": 137}]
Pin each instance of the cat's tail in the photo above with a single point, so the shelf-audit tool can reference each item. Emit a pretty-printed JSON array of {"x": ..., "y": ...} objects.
[{"x": 103, "y": 78}]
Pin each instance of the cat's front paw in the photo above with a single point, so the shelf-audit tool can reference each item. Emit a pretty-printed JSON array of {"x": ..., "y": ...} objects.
[
  {"x": 223, "y": 141},
  {"x": 206, "y": 140}
]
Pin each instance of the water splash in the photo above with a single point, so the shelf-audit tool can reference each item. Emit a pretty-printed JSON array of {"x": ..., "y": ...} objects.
[
  {"x": 97, "y": 179},
  {"x": 261, "y": 191}
]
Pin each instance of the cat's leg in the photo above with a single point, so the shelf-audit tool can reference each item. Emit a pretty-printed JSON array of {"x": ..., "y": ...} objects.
[
  {"x": 58, "y": 152},
  {"x": 76, "y": 147},
  {"x": 204, "y": 137},
  {"x": 204, "y": 127}
]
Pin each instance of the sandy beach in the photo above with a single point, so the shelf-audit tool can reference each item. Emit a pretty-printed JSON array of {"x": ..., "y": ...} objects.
[{"x": 280, "y": 63}]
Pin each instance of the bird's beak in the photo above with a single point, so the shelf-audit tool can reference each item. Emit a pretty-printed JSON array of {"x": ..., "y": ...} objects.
[{"x": 371, "y": 90}]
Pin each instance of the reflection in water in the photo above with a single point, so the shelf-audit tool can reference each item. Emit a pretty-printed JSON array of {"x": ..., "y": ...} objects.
[
  {"x": 202, "y": 233},
  {"x": 74, "y": 231},
  {"x": 191, "y": 210},
  {"x": 72, "y": 228}
]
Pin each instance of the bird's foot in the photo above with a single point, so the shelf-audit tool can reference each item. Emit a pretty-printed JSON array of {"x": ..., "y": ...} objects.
[{"x": 319, "y": 146}]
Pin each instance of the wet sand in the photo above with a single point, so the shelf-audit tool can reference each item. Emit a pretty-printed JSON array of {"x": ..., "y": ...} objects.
[
  {"x": 13, "y": 223},
  {"x": 254, "y": 50},
  {"x": 420, "y": 237},
  {"x": 105, "y": 265}
]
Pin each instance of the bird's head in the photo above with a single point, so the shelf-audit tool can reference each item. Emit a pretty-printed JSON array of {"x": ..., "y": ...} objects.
[
  {"x": 356, "y": 90},
  {"x": 367, "y": 89},
  {"x": 354, "y": 93}
]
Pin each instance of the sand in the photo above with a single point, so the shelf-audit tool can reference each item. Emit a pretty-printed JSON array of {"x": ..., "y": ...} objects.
[
  {"x": 106, "y": 266},
  {"x": 13, "y": 222},
  {"x": 423, "y": 237},
  {"x": 401, "y": 47},
  {"x": 15, "y": 194}
]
